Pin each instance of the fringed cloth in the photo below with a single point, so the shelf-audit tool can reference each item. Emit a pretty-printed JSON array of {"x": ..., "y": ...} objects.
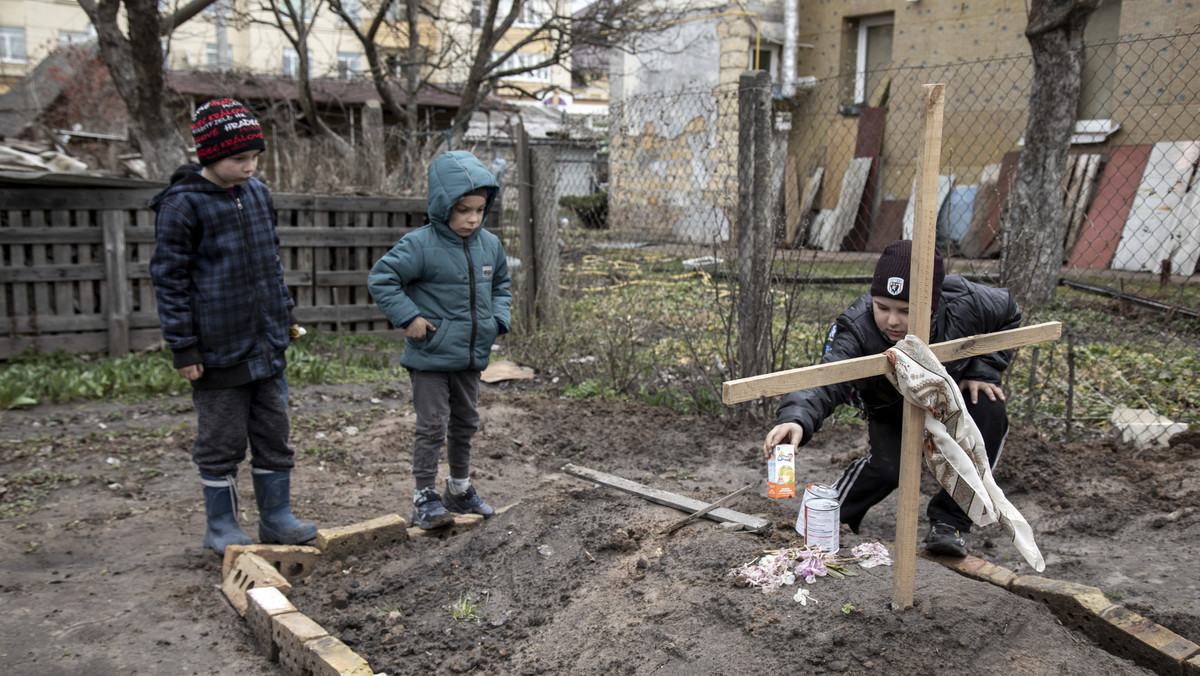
[{"x": 953, "y": 446}]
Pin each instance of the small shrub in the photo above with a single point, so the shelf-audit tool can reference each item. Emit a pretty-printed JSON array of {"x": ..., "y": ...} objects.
[{"x": 592, "y": 209}]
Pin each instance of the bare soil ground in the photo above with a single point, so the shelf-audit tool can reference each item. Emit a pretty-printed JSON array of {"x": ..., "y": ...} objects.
[{"x": 105, "y": 574}]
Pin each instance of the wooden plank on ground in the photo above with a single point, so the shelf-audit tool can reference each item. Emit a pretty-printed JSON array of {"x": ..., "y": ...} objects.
[
  {"x": 1081, "y": 196},
  {"x": 791, "y": 199},
  {"x": 983, "y": 231},
  {"x": 806, "y": 206},
  {"x": 945, "y": 184},
  {"x": 842, "y": 136},
  {"x": 1115, "y": 191},
  {"x": 1187, "y": 233},
  {"x": 706, "y": 509},
  {"x": 1150, "y": 235},
  {"x": 888, "y": 225},
  {"x": 750, "y": 523},
  {"x": 772, "y": 384},
  {"x": 835, "y": 229},
  {"x": 868, "y": 144}
]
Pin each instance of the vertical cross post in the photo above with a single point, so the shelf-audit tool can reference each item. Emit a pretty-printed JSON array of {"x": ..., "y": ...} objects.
[{"x": 919, "y": 303}]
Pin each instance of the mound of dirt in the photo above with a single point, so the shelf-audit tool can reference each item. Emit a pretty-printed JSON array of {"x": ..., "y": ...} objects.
[{"x": 105, "y": 573}]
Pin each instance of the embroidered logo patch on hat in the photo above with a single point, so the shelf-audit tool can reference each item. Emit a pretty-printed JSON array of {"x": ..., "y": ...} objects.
[{"x": 895, "y": 285}]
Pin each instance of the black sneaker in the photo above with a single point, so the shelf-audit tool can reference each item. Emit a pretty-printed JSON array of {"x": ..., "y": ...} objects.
[
  {"x": 467, "y": 503},
  {"x": 945, "y": 539},
  {"x": 428, "y": 512}
]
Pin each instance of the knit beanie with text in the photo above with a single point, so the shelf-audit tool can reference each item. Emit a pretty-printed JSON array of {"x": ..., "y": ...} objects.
[
  {"x": 223, "y": 128},
  {"x": 893, "y": 268}
]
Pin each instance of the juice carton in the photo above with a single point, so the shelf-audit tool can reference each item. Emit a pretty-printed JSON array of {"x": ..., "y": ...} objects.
[{"x": 781, "y": 472}]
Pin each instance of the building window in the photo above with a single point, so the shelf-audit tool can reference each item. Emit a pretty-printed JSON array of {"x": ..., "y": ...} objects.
[
  {"x": 348, "y": 65},
  {"x": 872, "y": 55},
  {"x": 525, "y": 60},
  {"x": 767, "y": 59},
  {"x": 291, "y": 63},
  {"x": 12, "y": 44},
  {"x": 477, "y": 10},
  {"x": 352, "y": 9},
  {"x": 532, "y": 13},
  {"x": 398, "y": 10},
  {"x": 1100, "y": 67},
  {"x": 212, "y": 56},
  {"x": 68, "y": 38}
]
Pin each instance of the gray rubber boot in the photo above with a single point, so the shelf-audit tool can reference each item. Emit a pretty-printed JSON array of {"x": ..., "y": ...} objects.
[{"x": 220, "y": 511}]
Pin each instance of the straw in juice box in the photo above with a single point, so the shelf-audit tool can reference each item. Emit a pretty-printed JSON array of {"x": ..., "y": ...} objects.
[{"x": 781, "y": 472}]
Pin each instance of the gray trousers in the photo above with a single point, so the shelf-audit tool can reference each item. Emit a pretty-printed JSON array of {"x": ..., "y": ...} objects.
[
  {"x": 228, "y": 417},
  {"x": 445, "y": 406}
]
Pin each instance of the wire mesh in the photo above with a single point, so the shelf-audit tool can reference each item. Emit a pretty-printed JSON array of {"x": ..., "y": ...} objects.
[{"x": 844, "y": 172}]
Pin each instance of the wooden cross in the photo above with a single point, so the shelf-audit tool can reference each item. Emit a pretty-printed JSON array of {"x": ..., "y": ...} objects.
[{"x": 921, "y": 276}]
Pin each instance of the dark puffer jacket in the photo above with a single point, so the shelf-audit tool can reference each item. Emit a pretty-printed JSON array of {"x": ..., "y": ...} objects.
[
  {"x": 459, "y": 284},
  {"x": 966, "y": 309}
]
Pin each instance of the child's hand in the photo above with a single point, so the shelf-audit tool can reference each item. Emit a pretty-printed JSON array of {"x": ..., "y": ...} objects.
[
  {"x": 416, "y": 328},
  {"x": 192, "y": 372},
  {"x": 974, "y": 387},
  {"x": 783, "y": 433}
]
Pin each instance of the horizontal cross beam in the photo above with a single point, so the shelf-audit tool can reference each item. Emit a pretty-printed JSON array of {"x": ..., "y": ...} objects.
[{"x": 782, "y": 382}]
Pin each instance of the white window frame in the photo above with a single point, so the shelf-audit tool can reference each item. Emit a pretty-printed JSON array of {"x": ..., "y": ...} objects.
[
  {"x": 349, "y": 65},
  {"x": 290, "y": 54},
  {"x": 860, "y": 63},
  {"x": 522, "y": 59},
  {"x": 354, "y": 9},
  {"x": 10, "y": 37},
  {"x": 68, "y": 38}
]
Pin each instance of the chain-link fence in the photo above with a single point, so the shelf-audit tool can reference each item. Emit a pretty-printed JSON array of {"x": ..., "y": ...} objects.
[{"x": 664, "y": 227}]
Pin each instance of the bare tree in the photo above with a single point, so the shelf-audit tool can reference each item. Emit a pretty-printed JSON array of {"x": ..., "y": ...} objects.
[
  {"x": 295, "y": 19},
  {"x": 1033, "y": 231},
  {"x": 486, "y": 40},
  {"x": 135, "y": 62}
]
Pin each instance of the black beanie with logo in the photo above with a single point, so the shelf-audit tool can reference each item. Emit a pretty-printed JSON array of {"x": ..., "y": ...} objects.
[
  {"x": 223, "y": 128},
  {"x": 893, "y": 268}
]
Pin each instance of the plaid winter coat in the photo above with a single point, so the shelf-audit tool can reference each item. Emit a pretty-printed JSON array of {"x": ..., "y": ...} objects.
[{"x": 218, "y": 279}]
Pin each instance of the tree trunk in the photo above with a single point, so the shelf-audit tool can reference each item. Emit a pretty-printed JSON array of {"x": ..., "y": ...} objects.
[
  {"x": 1033, "y": 229},
  {"x": 135, "y": 64}
]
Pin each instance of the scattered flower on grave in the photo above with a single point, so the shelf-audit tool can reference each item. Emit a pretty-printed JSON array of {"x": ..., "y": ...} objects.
[
  {"x": 872, "y": 554},
  {"x": 781, "y": 567},
  {"x": 803, "y": 596}
]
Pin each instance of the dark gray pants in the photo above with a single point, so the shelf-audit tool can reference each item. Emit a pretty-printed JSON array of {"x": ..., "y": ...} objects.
[
  {"x": 872, "y": 478},
  {"x": 228, "y": 417},
  {"x": 445, "y": 406}
]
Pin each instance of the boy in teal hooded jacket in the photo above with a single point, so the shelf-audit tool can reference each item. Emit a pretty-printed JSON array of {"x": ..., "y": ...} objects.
[{"x": 447, "y": 285}]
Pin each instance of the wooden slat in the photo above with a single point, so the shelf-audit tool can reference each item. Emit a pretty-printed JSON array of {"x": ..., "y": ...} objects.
[
  {"x": 772, "y": 384},
  {"x": 51, "y": 273},
  {"x": 722, "y": 515},
  {"x": 330, "y": 237},
  {"x": 302, "y": 202},
  {"x": 49, "y": 199},
  {"x": 51, "y": 235},
  {"x": 37, "y": 259},
  {"x": 325, "y": 313},
  {"x": 1115, "y": 192}
]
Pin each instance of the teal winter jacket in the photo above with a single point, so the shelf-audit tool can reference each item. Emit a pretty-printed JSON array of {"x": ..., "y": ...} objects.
[{"x": 459, "y": 284}]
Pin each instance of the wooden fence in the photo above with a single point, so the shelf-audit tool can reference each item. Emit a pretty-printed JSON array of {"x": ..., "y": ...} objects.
[{"x": 75, "y": 267}]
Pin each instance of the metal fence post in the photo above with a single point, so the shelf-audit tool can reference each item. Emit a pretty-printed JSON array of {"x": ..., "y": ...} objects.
[{"x": 117, "y": 281}]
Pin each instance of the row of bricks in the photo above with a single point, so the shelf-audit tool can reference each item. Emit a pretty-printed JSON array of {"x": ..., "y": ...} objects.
[
  {"x": 1116, "y": 628},
  {"x": 257, "y": 578}
]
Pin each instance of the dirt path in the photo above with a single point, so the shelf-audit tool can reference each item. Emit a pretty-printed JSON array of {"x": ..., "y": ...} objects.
[{"x": 106, "y": 574}]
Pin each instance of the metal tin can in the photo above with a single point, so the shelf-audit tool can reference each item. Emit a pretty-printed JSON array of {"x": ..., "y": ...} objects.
[
  {"x": 822, "y": 523},
  {"x": 813, "y": 491}
]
